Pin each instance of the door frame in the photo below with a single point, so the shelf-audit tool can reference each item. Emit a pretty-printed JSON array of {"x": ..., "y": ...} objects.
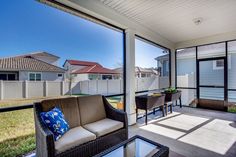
[{"x": 225, "y": 86}]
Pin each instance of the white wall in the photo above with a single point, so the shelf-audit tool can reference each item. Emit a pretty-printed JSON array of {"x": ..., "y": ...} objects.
[
  {"x": 80, "y": 77},
  {"x": 46, "y": 76}
]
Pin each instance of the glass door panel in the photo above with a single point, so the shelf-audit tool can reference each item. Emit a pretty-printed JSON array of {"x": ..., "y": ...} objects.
[
  {"x": 211, "y": 83},
  {"x": 211, "y": 73}
]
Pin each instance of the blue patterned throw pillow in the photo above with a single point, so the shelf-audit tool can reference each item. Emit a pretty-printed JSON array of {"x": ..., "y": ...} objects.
[{"x": 55, "y": 121}]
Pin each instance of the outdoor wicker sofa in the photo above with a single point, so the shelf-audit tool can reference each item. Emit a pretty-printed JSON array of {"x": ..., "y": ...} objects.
[{"x": 94, "y": 127}]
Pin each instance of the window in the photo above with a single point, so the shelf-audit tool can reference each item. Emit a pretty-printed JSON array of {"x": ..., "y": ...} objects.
[
  {"x": 143, "y": 75},
  {"x": 3, "y": 76},
  {"x": 60, "y": 75},
  {"x": 218, "y": 64},
  {"x": 186, "y": 75},
  {"x": 35, "y": 76},
  {"x": 165, "y": 68},
  {"x": 94, "y": 77},
  {"x": 100, "y": 45},
  {"x": 11, "y": 77},
  {"x": 106, "y": 77},
  {"x": 8, "y": 76},
  {"x": 152, "y": 61}
]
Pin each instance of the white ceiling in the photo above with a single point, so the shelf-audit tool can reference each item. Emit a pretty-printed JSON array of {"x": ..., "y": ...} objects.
[{"x": 173, "y": 19}]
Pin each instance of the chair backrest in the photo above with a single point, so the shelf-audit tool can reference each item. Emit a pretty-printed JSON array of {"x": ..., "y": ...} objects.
[
  {"x": 69, "y": 107},
  {"x": 91, "y": 109}
]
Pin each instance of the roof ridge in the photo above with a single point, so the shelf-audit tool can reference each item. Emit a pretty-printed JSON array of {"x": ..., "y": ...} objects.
[{"x": 92, "y": 68}]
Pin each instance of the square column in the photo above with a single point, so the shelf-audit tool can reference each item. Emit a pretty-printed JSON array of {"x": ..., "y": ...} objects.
[{"x": 130, "y": 76}]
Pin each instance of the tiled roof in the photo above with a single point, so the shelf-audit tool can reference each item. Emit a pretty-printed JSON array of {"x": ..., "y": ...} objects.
[
  {"x": 82, "y": 63},
  {"x": 95, "y": 69},
  {"x": 27, "y": 64}
]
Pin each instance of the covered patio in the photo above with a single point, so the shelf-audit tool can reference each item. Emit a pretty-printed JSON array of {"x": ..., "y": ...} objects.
[{"x": 195, "y": 55}]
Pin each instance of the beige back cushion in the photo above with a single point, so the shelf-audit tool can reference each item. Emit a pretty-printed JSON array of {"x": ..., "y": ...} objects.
[
  {"x": 91, "y": 109},
  {"x": 69, "y": 107}
]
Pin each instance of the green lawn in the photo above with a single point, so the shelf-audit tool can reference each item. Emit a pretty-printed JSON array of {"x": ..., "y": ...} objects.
[{"x": 17, "y": 129}]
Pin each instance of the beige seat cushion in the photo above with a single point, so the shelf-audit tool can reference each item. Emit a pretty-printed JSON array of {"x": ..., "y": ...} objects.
[
  {"x": 73, "y": 138},
  {"x": 104, "y": 126},
  {"x": 91, "y": 109}
]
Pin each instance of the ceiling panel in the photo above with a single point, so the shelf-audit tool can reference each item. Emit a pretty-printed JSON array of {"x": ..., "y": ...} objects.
[{"x": 173, "y": 19}]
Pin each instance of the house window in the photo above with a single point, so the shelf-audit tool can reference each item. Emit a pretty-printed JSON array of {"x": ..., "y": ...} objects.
[
  {"x": 218, "y": 64},
  {"x": 8, "y": 77},
  {"x": 94, "y": 77},
  {"x": 148, "y": 75},
  {"x": 106, "y": 77},
  {"x": 35, "y": 76},
  {"x": 11, "y": 77},
  {"x": 165, "y": 68},
  {"x": 3, "y": 76},
  {"x": 60, "y": 75},
  {"x": 143, "y": 75}
]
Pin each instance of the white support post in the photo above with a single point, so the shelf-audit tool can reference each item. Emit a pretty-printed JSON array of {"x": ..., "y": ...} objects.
[
  {"x": 26, "y": 89},
  {"x": 130, "y": 76},
  {"x": 1, "y": 90},
  {"x": 62, "y": 88},
  {"x": 45, "y": 88},
  {"x": 173, "y": 68}
]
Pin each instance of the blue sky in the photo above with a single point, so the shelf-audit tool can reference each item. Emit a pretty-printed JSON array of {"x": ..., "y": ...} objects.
[{"x": 29, "y": 26}]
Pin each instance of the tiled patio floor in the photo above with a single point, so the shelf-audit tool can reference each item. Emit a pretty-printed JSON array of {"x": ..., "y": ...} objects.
[{"x": 192, "y": 132}]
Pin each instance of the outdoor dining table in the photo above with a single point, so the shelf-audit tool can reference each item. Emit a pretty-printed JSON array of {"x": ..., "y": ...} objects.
[{"x": 147, "y": 102}]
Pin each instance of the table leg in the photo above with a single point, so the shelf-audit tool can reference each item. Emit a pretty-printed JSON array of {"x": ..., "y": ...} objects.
[
  {"x": 163, "y": 111},
  {"x": 166, "y": 105},
  {"x": 171, "y": 107},
  {"x": 180, "y": 102},
  {"x": 146, "y": 117}
]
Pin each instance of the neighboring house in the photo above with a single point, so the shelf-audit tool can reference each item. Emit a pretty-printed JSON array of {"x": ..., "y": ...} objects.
[
  {"x": 211, "y": 72},
  {"x": 145, "y": 72},
  {"x": 163, "y": 65},
  {"x": 84, "y": 70},
  {"x": 141, "y": 72},
  {"x": 40, "y": 66}
]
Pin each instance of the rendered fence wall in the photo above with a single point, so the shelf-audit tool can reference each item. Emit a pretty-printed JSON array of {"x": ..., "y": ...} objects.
[
  {"x": 36, "y": 89},
  {"x": 54, "y": 88},
  {"x": 108, "y": 87},
  {"x": 188, "y": 95},
  {"x": 148, "y": 83},
  {"x": 13, "y": 90},
  {"x": 66, "y": 89}
]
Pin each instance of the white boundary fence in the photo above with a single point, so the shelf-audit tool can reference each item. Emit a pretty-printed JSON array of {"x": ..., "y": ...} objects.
[
  {"x": 188, "y": 95},
  {"x": 37, "y": 89}
]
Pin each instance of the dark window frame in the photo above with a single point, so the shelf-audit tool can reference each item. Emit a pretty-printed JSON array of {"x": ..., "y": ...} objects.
[
  {"x": 226, "y": 89},
  {"x": 162, "y": 47},
  {"x": 71, "y": 10}
]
